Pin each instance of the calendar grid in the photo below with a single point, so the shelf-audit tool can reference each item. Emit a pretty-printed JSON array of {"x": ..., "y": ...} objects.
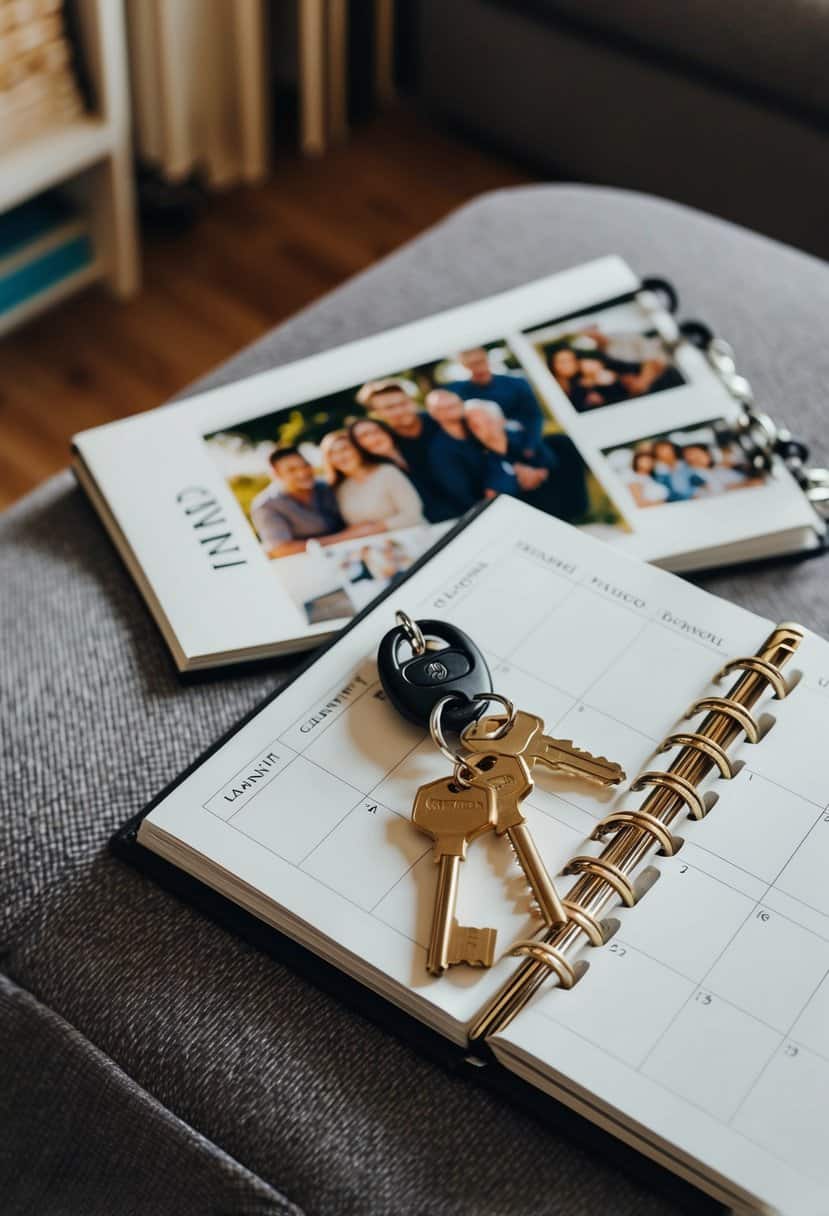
[
  {"x": 786, "y": 789},
  {"x": 674, "y": 977},
  {"x": 589, "y": 704},
  {"x": 692, "y": 1102},
  {"x": 584, "y": 585},
  {"x": 573, "y": 586},
  {"x": 701, "y": 986},
  {"x": 333, "y": 718},
  {"x": 785, "y": 1036}
]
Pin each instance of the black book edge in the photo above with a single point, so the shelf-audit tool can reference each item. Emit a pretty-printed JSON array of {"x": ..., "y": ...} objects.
[{"x": 362, "y": 1000}]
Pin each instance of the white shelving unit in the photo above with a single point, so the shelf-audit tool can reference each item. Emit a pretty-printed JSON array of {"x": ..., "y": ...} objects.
[{"x": 92, "y": 156}]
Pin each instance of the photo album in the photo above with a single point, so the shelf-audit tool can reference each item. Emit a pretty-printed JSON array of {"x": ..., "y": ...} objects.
[
  {"x": 653, "y": 754},
  {"x": 259, "y": 517}
]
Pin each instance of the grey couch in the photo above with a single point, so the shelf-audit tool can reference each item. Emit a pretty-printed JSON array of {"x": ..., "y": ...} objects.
[
  {"x": 724, "y": 106},
  {"x": 149, "y": 1061}
]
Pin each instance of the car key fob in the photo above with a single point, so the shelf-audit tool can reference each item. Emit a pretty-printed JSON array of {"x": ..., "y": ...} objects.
[{"x": 417, "y": 670}]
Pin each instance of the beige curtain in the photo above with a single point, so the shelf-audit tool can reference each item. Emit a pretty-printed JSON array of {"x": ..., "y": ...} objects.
[{"x": 199, "y": 88}]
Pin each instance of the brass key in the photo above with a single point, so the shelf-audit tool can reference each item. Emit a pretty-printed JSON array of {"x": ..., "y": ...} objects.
[
  {"x": 515, "y": 740},
  {"x": 508, "y": 777},
  {"x": 525, "y": 738},
  {"x": 561, "y": 756},
  {"x": 454, "y": 816}
]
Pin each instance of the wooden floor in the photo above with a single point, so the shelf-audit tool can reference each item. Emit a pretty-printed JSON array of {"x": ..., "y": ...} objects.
[{"x": 255, "y": 257}]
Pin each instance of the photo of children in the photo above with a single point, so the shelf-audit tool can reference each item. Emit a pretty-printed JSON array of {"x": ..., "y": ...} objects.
[
  {"x": 608, "y": 359},
  {"x": 386, "y": 457},
  {"x": 683, "y": 465}
]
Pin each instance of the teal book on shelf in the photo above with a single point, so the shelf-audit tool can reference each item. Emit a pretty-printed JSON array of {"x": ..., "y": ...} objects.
[{"x": 42, "y": 243}]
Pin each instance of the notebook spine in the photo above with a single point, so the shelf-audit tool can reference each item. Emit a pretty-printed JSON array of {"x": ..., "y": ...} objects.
[
  {"x": 762, "y": 439},
  {"x": 633, "y": 836}
]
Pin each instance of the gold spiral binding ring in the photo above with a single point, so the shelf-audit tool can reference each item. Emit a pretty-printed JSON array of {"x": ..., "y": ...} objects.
[
  {"x": 683, "y": 789},
  {"x": 668, "y": 843},
  {"x": 543, "y": 952},
  {"x": 702, "y": 743},
  {"x": 586, "y": 921},
  {"x": 607, "y": 871},
  {"x": 731, "y": 709},
  {"x": 760, "y": 667}
]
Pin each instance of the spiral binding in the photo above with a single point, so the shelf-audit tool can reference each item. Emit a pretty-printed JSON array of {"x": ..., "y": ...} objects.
[
  {"x": 714, "y": 751},
  {"x": 632, "y": 836},
  {"x": 732, "y": 709},
  {"x": 668, "y": 843},
  {"x": 762, "y": 667},
  {"x": 678, "y": 785},
  {"x": 760, "y": 437}
]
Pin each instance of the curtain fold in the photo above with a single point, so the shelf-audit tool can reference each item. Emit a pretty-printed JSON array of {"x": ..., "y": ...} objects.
[{"x": 199, "y": 88}]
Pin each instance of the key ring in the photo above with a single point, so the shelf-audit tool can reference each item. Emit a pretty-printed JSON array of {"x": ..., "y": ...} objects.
[
  {"x": 439, "y": 739},
  {"x": 508, "y": 705},
  {"x": 412, "y": 630},
  {"x": 436, "y": 730}
]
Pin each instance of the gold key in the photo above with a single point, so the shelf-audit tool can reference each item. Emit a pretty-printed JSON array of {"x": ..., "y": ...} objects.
[
  {"x": 515, "y": 740},
  {"x": 561, "y": 756},
  {"x": 525, "y": 738},
  {"x": 454, "y": 815},
  {"x": 508, "y": 777}
]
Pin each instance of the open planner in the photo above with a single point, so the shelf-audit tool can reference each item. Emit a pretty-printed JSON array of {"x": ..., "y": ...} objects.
[{"x": 684, "y": 1007}]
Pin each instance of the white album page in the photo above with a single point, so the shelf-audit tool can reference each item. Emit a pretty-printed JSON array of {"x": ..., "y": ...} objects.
[{"x": 559, "y": 392}]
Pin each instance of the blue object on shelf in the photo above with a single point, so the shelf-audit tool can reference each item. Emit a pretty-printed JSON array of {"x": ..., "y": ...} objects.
[
  {"x": 43, "y": 272},
  {"x": 31, "y": 221}
]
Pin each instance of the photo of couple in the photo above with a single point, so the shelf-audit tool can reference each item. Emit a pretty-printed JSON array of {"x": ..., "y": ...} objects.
[
  {"x": 595, "y": 368},
  {"x": 420, "y": 447},
  {"x": 683, "y": 465}
]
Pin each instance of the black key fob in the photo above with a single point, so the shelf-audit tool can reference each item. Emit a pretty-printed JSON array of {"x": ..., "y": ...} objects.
[{"x": 415, "y": 684}]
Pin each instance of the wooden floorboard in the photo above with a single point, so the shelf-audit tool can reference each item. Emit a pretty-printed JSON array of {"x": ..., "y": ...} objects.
[{"x": 253, "y": 259}]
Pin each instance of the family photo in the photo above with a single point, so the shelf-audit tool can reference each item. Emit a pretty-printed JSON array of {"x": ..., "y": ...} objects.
[
  {"x": 419, "y": 447},
  {"x": 683, "y": 465},
  {"x": 604, "y": 362},
  {"x": 364, "y": 568}
]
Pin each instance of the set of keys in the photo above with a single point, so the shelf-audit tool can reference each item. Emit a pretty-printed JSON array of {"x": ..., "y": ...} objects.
[{"x": 489, "y": 783}]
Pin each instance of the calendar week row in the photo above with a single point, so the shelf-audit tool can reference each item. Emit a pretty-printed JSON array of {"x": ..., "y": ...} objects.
[{"x": 695, "y": 920}]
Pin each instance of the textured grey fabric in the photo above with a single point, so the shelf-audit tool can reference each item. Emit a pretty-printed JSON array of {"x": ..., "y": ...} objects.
[
  {"x": 325, "y": 1108},
  {"x": 106, "y": 1145},
  {"x": 585, "y": 106}
]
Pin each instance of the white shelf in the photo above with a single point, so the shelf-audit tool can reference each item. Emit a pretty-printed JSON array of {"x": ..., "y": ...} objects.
[
  {"x": 51, "y": 295},
  {"x": 53, "y": 156},
  {"x": 93, "y": 157}
]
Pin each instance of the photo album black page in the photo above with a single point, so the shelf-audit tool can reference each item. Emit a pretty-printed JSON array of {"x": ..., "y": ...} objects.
[
  {"x": 257, "y": 518},
  {"x": 699, "y": 1030}
]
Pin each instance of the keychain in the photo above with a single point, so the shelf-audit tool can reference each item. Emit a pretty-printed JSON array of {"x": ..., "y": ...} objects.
[
  {"x": 443, "y": 659},
  {"x": 445, "y": 684}
]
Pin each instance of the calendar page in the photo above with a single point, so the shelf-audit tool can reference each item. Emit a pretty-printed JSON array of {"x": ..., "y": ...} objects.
[
  {"x": 706, "y": 1019},
  {"x": 303, "y": 815}
]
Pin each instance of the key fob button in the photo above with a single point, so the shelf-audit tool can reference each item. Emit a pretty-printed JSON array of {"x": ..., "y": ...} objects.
[
  {"x": 414, "y": 683},
  {"x": 436, "y": 667}
]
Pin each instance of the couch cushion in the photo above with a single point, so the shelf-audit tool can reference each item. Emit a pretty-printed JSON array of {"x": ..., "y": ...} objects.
[
  {"x": 93, "y": 1141},
  {"x": 774, "y": 49}
]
